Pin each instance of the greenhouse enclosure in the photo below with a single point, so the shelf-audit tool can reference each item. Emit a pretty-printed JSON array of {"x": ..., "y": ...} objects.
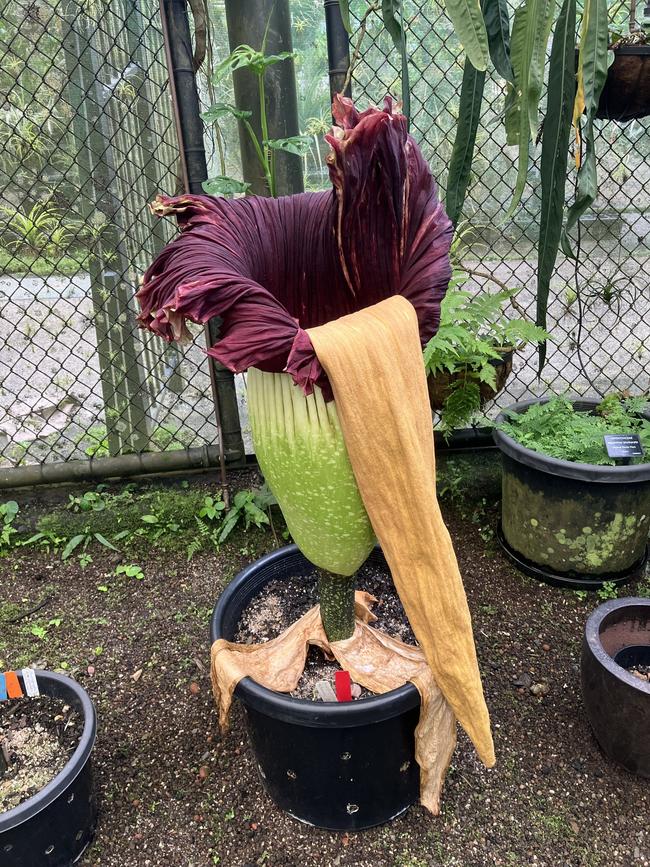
[
  {"x": 89, "y": 139},
  {"x": 325, "y": 433}
]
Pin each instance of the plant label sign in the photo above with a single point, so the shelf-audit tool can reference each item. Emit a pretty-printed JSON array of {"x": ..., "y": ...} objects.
[{"x": 623, "y": 445}]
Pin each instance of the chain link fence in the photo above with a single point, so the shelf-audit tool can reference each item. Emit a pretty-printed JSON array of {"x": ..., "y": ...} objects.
[
  {"x": 610, "y": 286},
  {"x": 87, "y": 140}
]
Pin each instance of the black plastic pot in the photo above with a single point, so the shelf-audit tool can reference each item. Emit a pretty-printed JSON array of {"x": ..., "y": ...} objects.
[
  {"x": 570, "y": 524},
  {"x": 617, "y": 703},
  {"x": 54, "y": 827},
  {"x": 340, "y": 766}
]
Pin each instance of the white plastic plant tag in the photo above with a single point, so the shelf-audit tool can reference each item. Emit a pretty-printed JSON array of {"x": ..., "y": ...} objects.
[
  {"x": 31, "y": 684},
  {"x": 325, "y": 691}
]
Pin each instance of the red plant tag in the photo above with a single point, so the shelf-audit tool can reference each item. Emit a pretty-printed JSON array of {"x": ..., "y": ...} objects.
[{"x": 343, "y": 686}]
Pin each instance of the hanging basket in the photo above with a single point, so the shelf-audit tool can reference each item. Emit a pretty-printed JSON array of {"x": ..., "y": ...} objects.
[
  {"x": 440, "y": 384},
  {"x": 626, "y": 94}
]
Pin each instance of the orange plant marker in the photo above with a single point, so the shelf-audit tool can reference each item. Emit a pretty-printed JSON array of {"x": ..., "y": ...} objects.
[{"x": 14, "y": 689}]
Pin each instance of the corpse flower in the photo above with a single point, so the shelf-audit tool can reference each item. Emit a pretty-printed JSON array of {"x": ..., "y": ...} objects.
[
  {"x": 273, "y": 268},
  {"x": 327, "y": 299}
]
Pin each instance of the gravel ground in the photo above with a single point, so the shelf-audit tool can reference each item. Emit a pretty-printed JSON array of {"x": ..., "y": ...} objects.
[{"x": 174, "y": 793}]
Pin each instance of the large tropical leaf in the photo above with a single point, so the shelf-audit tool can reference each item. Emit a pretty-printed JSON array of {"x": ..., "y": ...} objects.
[
  {"x": 497, "y": 25},
  {"x": 467, "y": 18},
  {"x": 460, "y": 166},
  {"x": 592, "y": 74},
  {"x": 555, "y": 151},
  {"x": 530, "y": 33}
]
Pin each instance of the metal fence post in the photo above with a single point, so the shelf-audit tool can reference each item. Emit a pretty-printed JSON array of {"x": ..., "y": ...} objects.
[
  {"x": 189, "y": 126},
  {"x": 338, "y": 49}
]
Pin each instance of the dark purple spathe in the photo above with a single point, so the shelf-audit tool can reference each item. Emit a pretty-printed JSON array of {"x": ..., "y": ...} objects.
[{"x": 271, "y": 268}]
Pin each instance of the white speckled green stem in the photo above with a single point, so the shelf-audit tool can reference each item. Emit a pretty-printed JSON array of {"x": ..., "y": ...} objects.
[{"x": 301, "y": 452}]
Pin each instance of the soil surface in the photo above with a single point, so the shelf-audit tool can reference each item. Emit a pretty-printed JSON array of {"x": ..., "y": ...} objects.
[
  {"x": 37, "y": 737},
  {"x": 282, "y": 602},
  {"x": 175, "y": 793}
]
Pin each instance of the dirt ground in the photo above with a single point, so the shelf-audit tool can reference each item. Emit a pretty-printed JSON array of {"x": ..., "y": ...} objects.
[{"x": 174, "y": 793}]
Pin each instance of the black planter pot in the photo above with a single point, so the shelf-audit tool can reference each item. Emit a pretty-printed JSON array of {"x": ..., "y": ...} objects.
[
  {"x": 570, "y": 524},
  {"x": 617, "y": 703},
  {"x": 626, "y": 94},
  {"x": 340, "y": 766},
  {"x": 54, "y": 827}
]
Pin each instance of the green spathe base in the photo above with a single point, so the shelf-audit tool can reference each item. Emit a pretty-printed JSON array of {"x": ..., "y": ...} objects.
[{"x": 301, "y": 452}]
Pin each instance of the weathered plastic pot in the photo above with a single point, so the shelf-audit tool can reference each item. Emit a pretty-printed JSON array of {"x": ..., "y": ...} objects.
[
  {"x": 340, "y": 766},
  {"x": 55, "y": 826},
  {"x": 571, "y": 524},
  {"x": 616, "y": 702}
]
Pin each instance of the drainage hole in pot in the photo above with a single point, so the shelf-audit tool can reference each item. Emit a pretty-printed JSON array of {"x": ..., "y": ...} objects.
[
  {"x": 352, "y": 808},
  {"x": 636, "y": 660},
  {"x": 292, "y": 774}
]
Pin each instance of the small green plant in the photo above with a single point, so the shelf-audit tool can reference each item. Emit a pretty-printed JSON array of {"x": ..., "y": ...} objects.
[
  {"x": 474, "y": 334},
  {"x": 82, "y": 540},
  {"x": 39, "y": 230},
  {"x": 8, "y": 513},
  {"x": 245, "y": 57},
  {"x": 607, "y": 591},
  {"x": 130, "y": 570},
  {"x": 249, "y": 507},
  {"x": 556, "y": 429}
]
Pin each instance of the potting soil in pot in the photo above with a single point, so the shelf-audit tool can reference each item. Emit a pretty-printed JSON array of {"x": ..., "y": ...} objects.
[
  {"x": 37, "y": 737},
  {"x": 282, "y": 602}
]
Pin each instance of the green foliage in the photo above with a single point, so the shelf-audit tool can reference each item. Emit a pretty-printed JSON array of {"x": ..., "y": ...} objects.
[
  {"x": 556, "y": 429},
  {"x": 474, "y": 332},
  {"x": 249, "y": 508},
  {"x": 8, "y": 512},
  {"x": 607, "y": 591},
  {"x": 555, "y": 150},
  {"x": 130, "y": 570},
  {"x": 246, "y": 57},
  {"x": 189, "y": 520}
]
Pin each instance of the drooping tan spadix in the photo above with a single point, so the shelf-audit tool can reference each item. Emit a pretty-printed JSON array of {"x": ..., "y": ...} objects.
[{"x": 373, "y": 359}]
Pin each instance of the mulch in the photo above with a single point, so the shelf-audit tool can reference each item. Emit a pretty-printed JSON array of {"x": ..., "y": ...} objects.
[{"x": 175, "y": 793}]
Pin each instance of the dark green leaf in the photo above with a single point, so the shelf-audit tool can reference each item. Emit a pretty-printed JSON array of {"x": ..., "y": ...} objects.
[
  {"x": 392, "y": 12},
  {"x": 469, "y": 25},
  {"x": 244, "y": 56},
  {"x": 344, "y": 6},
  {"x": 530, "y": 32},
  {"x": 223, "y": 186},
  {"x": 221, "y": 109},
  {"x": 460, "y": 166},
  {"x": 104, "y": 541},
  {"x": 497, "y": 25},
  {"x": 72, "y": 544},
  {"x": 555, "y": 151},
  {"x": 592, "y": 73},
  {"x": 296, "y": 144}
]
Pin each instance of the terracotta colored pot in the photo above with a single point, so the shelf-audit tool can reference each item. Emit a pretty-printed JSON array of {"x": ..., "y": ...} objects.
[
  {"x": 440, "y": 383},
  {"x": 626, "y": 94}
]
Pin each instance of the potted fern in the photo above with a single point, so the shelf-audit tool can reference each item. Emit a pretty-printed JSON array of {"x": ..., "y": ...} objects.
[
  {"x": 573, "y": 515},
  {"x": 469, "y": 358}
]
